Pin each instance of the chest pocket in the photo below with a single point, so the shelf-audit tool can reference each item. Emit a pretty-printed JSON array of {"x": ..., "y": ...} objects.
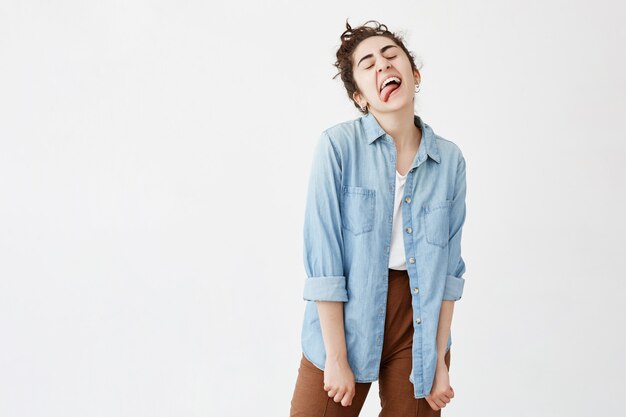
[
  {"x": 358, "y": 205},
  {"x": 437, "y": 222}
]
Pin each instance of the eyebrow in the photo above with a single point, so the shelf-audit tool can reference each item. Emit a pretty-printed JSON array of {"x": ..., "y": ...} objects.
[{"x": 383, "y": 49}]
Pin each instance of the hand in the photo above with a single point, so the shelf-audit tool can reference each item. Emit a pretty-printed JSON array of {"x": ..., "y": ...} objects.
[
  {"x": 339, "y": 381},
  {"x": 442, "y": 392}
]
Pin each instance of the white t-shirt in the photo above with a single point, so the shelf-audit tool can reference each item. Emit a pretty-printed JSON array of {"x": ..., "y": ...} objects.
[{"x": 397, "y": 257}]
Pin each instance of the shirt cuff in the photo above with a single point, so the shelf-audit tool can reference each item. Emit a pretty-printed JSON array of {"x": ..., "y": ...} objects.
[
  {"x": 454, "y": 288},
  {"x": 332, "y": 288}
]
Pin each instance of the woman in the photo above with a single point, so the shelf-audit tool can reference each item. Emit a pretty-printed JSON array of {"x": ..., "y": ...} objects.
[{"x": 382, "y": 244}]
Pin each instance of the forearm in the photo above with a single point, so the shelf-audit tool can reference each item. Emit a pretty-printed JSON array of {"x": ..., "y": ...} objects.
[
  {"x": 333, "y": 332},
  {"x": 443, "y": 329}
]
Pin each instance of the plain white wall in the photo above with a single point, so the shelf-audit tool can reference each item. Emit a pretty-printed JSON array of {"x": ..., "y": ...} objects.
[{"x": 153, "y": 163}]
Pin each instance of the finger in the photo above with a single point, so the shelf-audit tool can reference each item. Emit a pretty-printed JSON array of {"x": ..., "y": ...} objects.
[
  {"x": 351, "y": 394},
  {"x": 332, "y": 392},
  {"x": 347, "y": 399},
  {"x": 431, "y": 403},
  {"x": 452, "y": 389},
  {"x": 434, "y": 399},
  {"x": 439, "y": 402},
  {"x": 339, "y": 396}
]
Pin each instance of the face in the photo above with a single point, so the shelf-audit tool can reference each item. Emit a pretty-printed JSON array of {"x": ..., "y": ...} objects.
[{"x": 374, "y": 60}]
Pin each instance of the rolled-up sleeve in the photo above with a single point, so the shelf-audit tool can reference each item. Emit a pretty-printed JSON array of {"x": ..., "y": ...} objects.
[
  {"x": 323, "y": 240},
  {"x": 456, "y": 265}
]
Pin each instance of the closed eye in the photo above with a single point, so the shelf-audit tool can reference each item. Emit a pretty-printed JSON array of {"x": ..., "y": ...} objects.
[{"x": 391, "y": 57}]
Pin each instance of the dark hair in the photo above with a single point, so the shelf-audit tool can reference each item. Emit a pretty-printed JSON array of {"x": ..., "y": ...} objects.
[{"x": 350, "y": 39}]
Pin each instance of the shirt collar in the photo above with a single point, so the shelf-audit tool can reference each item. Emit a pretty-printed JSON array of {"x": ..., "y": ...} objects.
[{"x": 373, "y": 131}]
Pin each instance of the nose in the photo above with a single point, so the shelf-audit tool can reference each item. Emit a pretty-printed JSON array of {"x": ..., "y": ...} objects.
[{"x": 385, "y": 64}]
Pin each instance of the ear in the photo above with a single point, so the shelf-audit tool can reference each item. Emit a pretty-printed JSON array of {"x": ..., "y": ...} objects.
[
  {"x": 417, "y": 76},
  {"x": 357, "y": 97}
]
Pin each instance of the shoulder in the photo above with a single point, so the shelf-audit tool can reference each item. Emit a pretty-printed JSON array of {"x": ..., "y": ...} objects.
[
  {"x": 448, "y": 147},
  {"x": 449, "y": 150},
  {"x": 346, "y": 134}
]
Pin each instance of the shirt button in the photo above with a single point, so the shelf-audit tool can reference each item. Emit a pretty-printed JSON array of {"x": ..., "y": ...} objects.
[
  {"x": 408, "y": 199},
  {"x": 409, "y": 230},
  {"x": 412, "y": 260},
  {"x": 416, "y": 290},
  {"x": 418, "y": 321}
]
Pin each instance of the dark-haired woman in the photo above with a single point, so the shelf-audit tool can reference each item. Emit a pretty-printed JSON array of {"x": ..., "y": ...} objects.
[{"x": 382, "y": 244}]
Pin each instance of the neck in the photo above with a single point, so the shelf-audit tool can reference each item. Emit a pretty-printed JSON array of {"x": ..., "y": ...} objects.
[{"x": 400, "y": 125}]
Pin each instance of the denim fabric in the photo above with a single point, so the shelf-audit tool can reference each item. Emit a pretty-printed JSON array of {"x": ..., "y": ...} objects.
[{"x": 347, "y": 234}]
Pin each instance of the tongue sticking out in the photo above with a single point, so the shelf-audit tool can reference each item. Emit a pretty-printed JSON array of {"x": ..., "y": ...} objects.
[{"x": 386, "y": 92}]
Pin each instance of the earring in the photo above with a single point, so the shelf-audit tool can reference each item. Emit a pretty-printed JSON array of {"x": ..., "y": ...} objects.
[
  {"x": 363, "y": 108},
  {"x": 417, "y": 88}
]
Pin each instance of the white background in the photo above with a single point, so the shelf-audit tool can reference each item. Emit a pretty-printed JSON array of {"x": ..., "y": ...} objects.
[{"x": 153, "y": 163}]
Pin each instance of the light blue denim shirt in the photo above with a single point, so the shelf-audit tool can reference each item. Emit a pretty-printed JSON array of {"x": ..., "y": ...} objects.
[{"x": 347, "y": 233}]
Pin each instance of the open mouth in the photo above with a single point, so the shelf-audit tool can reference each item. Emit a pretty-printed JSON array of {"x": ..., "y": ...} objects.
[{"x": 389, "y": 86}]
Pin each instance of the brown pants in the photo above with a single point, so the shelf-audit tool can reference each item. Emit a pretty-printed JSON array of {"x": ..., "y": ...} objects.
[{"x": 395, "y": 389}]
